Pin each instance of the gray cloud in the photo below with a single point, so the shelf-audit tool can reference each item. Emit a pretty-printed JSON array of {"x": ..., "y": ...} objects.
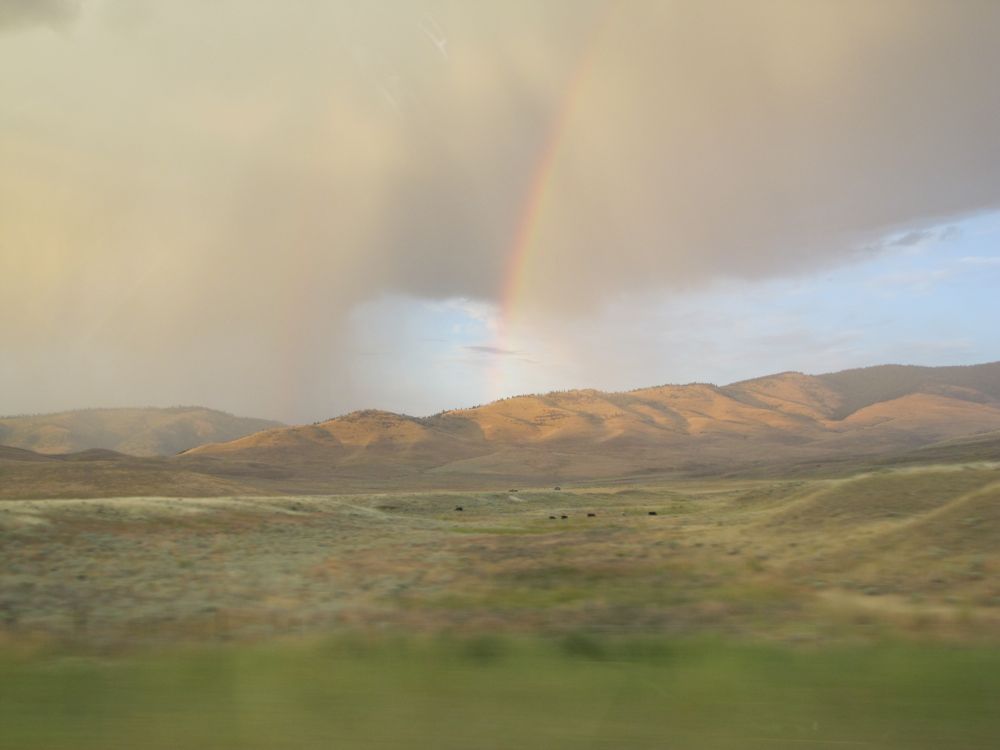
[
  {"x": 913, "y": 238},
  {"x": 493, "y": 350},
  {"x": 950, "y": 233},
  {"x": 194, "y": 201}
]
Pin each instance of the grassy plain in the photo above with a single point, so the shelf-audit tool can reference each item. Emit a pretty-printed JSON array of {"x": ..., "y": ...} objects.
[{"x": 861, "y": 610}]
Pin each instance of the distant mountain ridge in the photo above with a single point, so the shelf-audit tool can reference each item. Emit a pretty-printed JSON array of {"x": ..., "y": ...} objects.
[
  {"x": 788, "y": 424},
  {"x": 133, "y": 431},
  {"x": 582, "y": 434}
]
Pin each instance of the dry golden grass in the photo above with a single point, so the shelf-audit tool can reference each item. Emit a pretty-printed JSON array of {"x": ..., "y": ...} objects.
[{"x": 901, "y": 551}]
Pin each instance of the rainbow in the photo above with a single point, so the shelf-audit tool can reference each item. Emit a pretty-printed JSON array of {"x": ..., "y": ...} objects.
[{"x": 538, "y": 193}]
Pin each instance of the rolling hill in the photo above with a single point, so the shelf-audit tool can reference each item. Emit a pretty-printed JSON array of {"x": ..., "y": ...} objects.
[
  {"x": 103, "y": 473},
  {"x": 776, "y": 422},
  {"x": 788, "y": 424},
  {"x": 137, "y": 432}
]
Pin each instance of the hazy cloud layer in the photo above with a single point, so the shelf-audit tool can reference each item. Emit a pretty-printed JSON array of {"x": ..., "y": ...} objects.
[
  {"x": 21, "y": 13},
  {"x": 193, "y": 196}
]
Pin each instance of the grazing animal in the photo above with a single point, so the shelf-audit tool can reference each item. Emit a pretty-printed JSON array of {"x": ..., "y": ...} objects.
[
  {"x": 591, "y": 515},
  {"x": 557, "y": 488},
  {"x": 564, "y": 516},
  {"x": 553, "y": 518},
  {"x": 511, "y": 490},
  {"x": 652, "y": 512},
  {"x": 459, "y": 507}
]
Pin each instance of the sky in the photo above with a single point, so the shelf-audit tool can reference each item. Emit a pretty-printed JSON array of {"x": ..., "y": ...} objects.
[{"x": 294, "y": 210}]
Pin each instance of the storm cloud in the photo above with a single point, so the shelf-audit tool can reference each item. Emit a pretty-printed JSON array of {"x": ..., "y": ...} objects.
[{"x": 194, "y": 196}]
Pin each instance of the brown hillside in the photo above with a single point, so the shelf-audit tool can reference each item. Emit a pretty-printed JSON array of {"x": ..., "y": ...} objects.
[
  {"x": 137, "y": 432},
  {"x": 783, "y": 419}
]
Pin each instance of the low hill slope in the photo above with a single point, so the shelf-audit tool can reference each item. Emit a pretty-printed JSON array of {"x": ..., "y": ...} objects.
[
  {"x": 984, "y": 446},
  {"x": 138, "y": 432},
  {"x": 103, "y": 473},
  {"x": 915, "y": 531},
  {"x": 874, "y": 498},
  {"x": 775, "y": 421},
  {"x": 870, "y": 385}
]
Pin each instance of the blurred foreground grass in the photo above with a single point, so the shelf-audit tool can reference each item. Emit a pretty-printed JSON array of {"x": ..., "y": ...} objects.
[{"x": 494, "y": 692}]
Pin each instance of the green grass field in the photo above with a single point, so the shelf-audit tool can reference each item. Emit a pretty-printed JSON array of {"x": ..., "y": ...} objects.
[{"x": 571, "y": 692}]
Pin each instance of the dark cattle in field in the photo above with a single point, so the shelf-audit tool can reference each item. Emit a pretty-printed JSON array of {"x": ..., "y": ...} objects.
[
  {"x": 557, "y": 488},
  {"x": 553, "y": 518},
  {"x": 459, "y": 507},
  {"x": 591, "y": 515},
  {"x": 564, "y": 516},
  {"x": 652, "y": 512}
]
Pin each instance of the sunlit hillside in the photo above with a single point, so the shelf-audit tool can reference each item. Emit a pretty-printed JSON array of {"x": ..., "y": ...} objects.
[{"x": 781, "y": 420}]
